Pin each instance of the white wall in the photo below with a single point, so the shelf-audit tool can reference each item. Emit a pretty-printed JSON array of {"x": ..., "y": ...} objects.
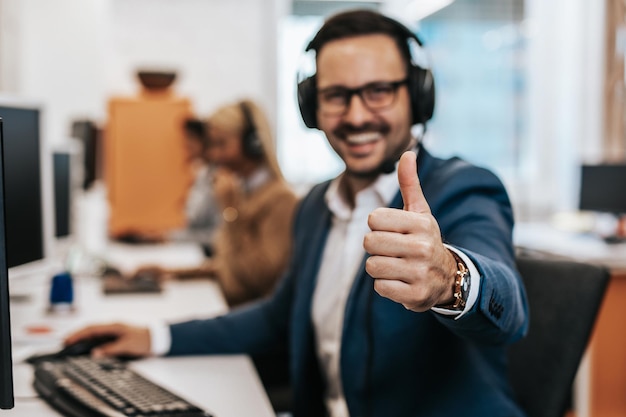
[
  {"x": 72, "y": 55},
  {"x": 565, "y": 82}
]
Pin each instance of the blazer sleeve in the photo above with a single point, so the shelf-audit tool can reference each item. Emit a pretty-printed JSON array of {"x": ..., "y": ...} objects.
[
  {"x": 475, "y": 216},
  {"x": 258, "y": 328}
]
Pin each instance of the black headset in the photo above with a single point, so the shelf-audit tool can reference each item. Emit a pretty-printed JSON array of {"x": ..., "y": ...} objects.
[
  {"x": 421, "y": 85},
  {"x": 251, "y": 142}
]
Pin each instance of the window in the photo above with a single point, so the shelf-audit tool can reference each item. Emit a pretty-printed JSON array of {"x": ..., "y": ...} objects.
[
  {"x": 518, "y": 90},
  {"x": 478, "y": 67}
]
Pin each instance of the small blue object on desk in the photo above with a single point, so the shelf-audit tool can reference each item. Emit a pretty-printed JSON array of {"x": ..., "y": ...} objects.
[{"x": 61, "y": 290}]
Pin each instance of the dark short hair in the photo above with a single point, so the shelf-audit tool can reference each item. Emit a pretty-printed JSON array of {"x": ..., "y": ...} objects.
[
  {"x": 362, "y": 22},
  {"x": 197, "y": 128}
]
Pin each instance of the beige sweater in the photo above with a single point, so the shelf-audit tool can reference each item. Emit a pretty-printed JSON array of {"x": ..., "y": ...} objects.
[{"x": 252, "y": 251}]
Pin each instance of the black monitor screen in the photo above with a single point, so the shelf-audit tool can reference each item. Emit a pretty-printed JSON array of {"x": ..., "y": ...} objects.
[
  {"x": 24, "y": 226},
  {"x": 603, "y": 188},
  {"x": 61, "y": 166},
  {"x": 6, "y": 366},
  {"x": 87, "y": 132}
]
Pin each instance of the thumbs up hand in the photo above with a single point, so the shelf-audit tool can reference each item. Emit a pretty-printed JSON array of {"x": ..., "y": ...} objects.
[{"x": 407, "y": 260}]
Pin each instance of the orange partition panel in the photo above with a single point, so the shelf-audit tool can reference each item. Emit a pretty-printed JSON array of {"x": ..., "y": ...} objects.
[
  {"x": 146, "y": 174},
  {"x": 608, "y": 352}
]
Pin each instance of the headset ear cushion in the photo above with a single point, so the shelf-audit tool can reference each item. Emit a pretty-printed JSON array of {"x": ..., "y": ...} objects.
[
  {"x": 422, "y": 91},
  {"x": 307, "y": 101},
  {"x": 252, "y": 145}
]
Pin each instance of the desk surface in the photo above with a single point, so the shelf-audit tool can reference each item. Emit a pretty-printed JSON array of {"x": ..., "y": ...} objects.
[
  {"x": 577, "y": 246},
  {"x": 224, "y": 385}
]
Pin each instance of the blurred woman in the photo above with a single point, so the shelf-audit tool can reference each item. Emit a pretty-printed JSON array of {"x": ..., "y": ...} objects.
[
  {"x": 201, "y": 209},
  {"x": 253, "y": 243}
]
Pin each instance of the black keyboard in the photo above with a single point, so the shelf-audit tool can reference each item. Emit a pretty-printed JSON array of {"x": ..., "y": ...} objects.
[{"x": 80, "y": 386}]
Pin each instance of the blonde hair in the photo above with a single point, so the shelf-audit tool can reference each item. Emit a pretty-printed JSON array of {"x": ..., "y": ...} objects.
[{"x": 231, "y": 118}]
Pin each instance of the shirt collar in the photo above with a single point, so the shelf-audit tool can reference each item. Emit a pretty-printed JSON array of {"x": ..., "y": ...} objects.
[{"x": 384, "y": 188}]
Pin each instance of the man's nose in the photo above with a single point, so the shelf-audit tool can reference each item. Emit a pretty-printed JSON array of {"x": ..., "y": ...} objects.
[{"x": 357, "y": 112}]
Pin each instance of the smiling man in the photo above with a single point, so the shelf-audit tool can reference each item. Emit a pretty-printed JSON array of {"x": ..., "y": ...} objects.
[
  {"x": 364, "y": 104},
  {"x": 402, "y": 293}
]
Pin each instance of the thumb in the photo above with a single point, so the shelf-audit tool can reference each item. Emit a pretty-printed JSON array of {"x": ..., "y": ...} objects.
[{"x": 410, "y": 184}]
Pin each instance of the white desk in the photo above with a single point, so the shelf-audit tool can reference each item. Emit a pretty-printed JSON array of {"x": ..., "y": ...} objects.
[
  {"x": 227, "y": 386},
  {"x": 577, "y": 246}
]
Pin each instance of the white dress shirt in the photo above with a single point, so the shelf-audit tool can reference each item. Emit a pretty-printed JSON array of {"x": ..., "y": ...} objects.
[{"x": 342, "y": 257}]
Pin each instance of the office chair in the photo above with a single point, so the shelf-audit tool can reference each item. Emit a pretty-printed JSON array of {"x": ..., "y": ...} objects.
[{"x": 564, "y": 298}]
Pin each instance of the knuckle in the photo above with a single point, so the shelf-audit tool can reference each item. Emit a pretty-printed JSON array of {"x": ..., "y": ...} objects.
[
  {"x": 367, "y": 241},
  {"x": 371, "y": 266},
  {"x": 379, "y": 288},
  {"x": 371, "y": 219}
]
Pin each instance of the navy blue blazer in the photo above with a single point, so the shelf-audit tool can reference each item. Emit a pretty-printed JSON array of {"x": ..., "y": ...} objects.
[{"x": 394, "y": 362}]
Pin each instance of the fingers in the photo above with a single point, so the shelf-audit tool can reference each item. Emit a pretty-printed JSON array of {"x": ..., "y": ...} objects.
[
  {"x": 384, "y": 267},
  {"x": 402, "y": 293},
  {"x": 114, "y": 348},
  {"x": 398, "y": 221},
  {"x": 410, "y": 185},
  {"x": 132, "y": 341},
  {"x": 90, "y": 332},
  {"x": 396, "y": 245}
]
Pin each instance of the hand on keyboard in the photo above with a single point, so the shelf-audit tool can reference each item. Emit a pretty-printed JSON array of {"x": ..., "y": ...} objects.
[
  {"x": 129, "y": 341},
  {"x": 81, "y": 347}
]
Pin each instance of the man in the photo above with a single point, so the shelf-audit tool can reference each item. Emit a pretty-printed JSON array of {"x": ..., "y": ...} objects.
[{"x": 410, "y": 326}]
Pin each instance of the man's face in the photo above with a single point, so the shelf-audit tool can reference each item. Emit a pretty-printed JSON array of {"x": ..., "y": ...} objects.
[{"x": 364, "y": 138}]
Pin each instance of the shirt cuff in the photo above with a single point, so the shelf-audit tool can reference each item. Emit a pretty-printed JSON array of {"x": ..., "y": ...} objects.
[
  {"x": 474, "y": 278},
  {"x": 160, "y": 338}
]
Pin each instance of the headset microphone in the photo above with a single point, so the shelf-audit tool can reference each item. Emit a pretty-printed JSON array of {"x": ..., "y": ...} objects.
[{"x": 387, "y": 166}]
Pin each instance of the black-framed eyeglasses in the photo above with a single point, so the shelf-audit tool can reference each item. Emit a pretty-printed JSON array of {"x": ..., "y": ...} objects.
[{"x": 334, "y": 101}]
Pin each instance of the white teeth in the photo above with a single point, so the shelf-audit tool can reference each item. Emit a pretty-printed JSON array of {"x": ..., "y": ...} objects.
[{"x": 361, "y": 138}]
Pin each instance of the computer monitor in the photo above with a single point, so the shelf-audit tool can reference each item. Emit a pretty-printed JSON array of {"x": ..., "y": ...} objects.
[
  {"x": 87, "y": 132},
  {"x": 6, "y": 363},
  {"x": 602, "y": 188},
  {"x": 61, "y": 167},
  {"x": 23, "y": 183},
  {"x": 67, "y": 180}
]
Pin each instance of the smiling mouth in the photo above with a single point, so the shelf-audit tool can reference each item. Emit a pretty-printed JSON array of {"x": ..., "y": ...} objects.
[{"x": 362, "y": 138}]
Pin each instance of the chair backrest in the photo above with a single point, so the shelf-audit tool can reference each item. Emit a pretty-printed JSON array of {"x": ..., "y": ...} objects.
[{"x": 564, "y": 298}]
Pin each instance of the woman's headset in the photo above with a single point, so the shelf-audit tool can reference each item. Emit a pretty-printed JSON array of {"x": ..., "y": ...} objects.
[
  {"x": 421, "y": 84},
  {"x": 251, "y": 142}
]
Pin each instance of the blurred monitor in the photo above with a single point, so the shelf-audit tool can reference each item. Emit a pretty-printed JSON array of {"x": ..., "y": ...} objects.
[
  {"x": 61, "y": 169},
  {"x": 23, "y": 183},
  {"x": 6, "y": 365},
  {"x": 603, "y": 188},
  {"x": 87, "y": 133},
  {"x": 67, "y": 178}
]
